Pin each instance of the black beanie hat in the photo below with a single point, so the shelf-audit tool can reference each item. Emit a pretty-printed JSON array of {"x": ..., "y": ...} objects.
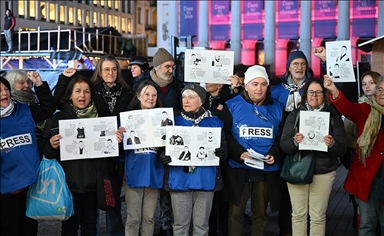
[
  {"x": 197, "y": 89},
  {"x": 294, "y": 55}
]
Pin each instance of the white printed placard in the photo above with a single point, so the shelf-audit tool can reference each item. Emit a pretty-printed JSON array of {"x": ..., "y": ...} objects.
[
  {"x": 314, "y": 126},
  {"x": 193, "y": 146},
  {"x": 339, "y": 61},
  {"x": 209, "y": 66},
  {"x": 145, "y": 128},
  {"x": 88, "y": 138}
]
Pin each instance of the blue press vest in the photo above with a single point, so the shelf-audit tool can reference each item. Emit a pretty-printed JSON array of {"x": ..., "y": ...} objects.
[
  {"x": 144, "y": 169},
  {"x": 251, "y": 131},
  {"x": 19, "y": 160},
  {"x": 205, "y": 176}
]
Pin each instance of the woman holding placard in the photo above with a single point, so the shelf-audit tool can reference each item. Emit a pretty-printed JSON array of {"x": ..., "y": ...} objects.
[
  {"x": 144, "y": 172},
  {"x": 192, "y": 188},
  {"x": 80, "y": 174},
  {"x": 313, "y": 198}
]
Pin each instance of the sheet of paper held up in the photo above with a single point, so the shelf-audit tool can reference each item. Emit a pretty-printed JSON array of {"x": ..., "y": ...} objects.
[{"x": 257, "y": 160}]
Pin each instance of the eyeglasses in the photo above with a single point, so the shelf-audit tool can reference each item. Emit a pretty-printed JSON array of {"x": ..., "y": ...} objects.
[
  {"x": 380, "y": 91},
  {"x": 296, "y": 64},
  {"x": 256, "y": 112},
  {"x": 311, "y": 92},
  {"x": 108, "y": 70}
]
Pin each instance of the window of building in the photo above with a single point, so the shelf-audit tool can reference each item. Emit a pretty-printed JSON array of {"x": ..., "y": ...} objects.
[
  {"x": 43, "y": 11},
  {"x": 95, "y": 2},
  {"x": 87, "y": 20},
  {"x": 117, "y": 3},
  {"x": 123, "y": 24},
  {"x": 109, "y": 2},
  {"x": 129, "y": 5},
  {"x": 71, "y": 15},
  {"x": 102, "y": 3},
  {"x": 95, "y": 22},
  {"x": 123, "y": 6},
  {"x": 79, "y": 18},
  {"x": 87, "y": 2},
  {"x": 21, "y": 8},
  {"x": 32, "y": 10},
  {"x": 116, "y": 23},
  {"x": 147, "y": 17},
  {"x": 129, "y": 21},
  {"x": 140, "y": 20},
  {"x": 110, "y": 21},
  {"x": 62, "y": 14},
  {"x": 52, "y": 15},
  {"x": 102, "y": 20}
]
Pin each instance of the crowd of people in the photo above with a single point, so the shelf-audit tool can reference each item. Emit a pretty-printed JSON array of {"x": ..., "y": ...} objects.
[{"x": 204, "y": 200}]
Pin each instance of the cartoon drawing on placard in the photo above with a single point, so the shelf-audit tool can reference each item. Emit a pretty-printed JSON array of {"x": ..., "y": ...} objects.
[
  {"x": 108, "y": 148},
  {"x": 80, "y": 148},
  {"x": 80, "y": 131},
  {"x": 201, "y": 154},
  {"x": 185, "y": 155},
  {"x": 165, "y": 121},
  {"x": 217, "y": 61},
  {"x": 343, "y": 57},
  {"x": 133, "y": 139},
  {"x": 176, "y": 139}
]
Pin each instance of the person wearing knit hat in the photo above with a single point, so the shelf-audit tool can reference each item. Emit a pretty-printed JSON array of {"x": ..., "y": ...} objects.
[
  {"x": 168, "y": 87},
  {"x": 200, "y": 91},
  {"x": 252, "y": 120},
  {"x": 192, "y": 187},
  {"x": 255, "y": 72},
  {"x": 162, "y": 56},
  {"x": 169, "y": 94},
  {"x": 297, "y": 73}
]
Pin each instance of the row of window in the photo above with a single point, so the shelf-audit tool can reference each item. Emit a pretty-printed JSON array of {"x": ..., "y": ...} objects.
[
  {"x": 111, "y": 4},
  {"x": 57, "y": 13}
]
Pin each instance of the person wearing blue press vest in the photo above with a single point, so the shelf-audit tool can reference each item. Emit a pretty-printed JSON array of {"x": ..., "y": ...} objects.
[
  {"x": 19, "y": 159},
  {"x": 144, "y": 172},
  {"x": 252, "y": 120},
  {"x": 192, "y": 188}
]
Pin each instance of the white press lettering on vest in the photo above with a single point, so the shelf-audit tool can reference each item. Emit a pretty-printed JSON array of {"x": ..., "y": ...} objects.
[
  {"x": 14, "y": 141},
  {"x": 256, "y": 132}
]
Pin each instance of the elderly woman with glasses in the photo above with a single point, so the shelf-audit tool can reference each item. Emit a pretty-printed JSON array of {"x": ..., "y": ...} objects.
[
  {"x": 366, "y": 170},
  {"x": 313, "y": 198},
  {"x": 251, "y": 121},
  {"x": 112, "y": 96}
]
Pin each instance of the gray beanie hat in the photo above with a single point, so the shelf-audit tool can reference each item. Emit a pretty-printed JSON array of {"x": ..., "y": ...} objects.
[
  {"x": 161, "y": 56},
  {"x": 197, "y": 89}
]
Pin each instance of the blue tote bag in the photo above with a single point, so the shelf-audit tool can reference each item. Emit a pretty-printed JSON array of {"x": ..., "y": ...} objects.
[{"x": 49, "y": 197}]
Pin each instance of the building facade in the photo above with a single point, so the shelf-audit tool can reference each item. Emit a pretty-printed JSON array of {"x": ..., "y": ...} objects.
[
  {"x": 129, "y": 17},
  {"x": 265, "y": 32}
]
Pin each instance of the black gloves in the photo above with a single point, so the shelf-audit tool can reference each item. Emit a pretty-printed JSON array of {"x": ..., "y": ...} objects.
[
  {"x": 221, "y": 153},
  {"x": 165, "y": 159}
]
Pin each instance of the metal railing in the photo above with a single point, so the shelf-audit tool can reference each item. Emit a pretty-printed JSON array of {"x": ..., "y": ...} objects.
[{"x": 76, "y": 40}]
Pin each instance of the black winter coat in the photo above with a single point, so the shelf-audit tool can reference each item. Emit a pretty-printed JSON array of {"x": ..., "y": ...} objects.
[{"x": 80, "y": 174}]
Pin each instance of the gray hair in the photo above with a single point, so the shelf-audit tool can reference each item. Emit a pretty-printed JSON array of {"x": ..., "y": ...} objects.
[
  {"x": 380, "y": 79},
  {"x": 15, "y": 76}
]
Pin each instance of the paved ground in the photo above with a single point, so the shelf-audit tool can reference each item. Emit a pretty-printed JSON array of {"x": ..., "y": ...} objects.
[{"x": 339, "y": 216}]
